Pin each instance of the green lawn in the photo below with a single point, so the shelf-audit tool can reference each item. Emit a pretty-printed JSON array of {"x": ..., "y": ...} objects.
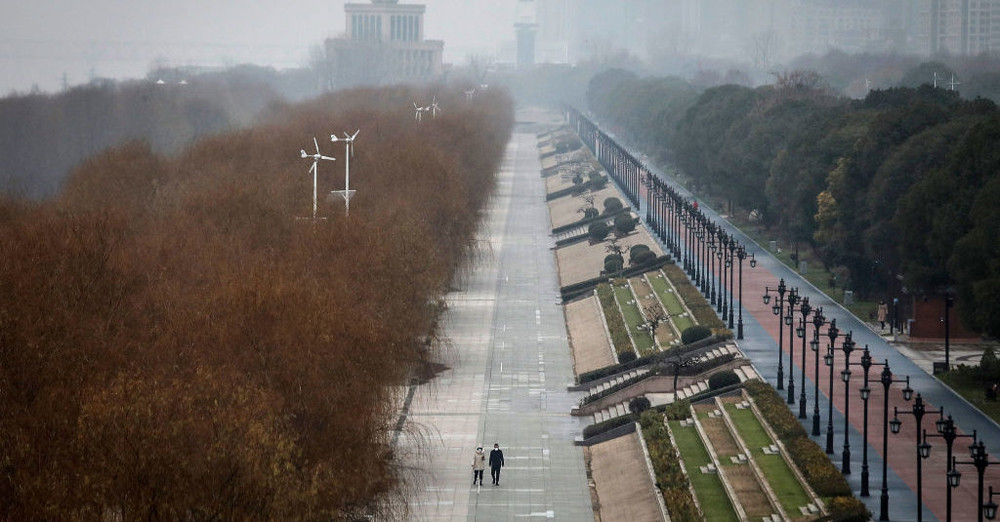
[
  {"x": 968, "y": 385},
  {"x": 783, "y": 481},
  {"x": 643, "y": 342},
  {"x": 670, "y": 300},
  {"x": 707, "y": 486}
]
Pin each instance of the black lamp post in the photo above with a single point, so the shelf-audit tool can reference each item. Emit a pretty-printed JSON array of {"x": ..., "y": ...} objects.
[
  {"x": 776, "y": 310},
  {"x": 723, "y": 260},
  {"x": 866, "y": 364},
  {"x": 712, "y": 248},
  {"x": 981, "y": 460},
  {"x": 990, "y": 508},
  {"x": 818, "y": 321},
  {"x": 887, "y": 381},
  {"x": 729, "y": 264},
  {"x": 948, "y": 303},
  {"x": 741, "y": 254},
  {"x": 793, "y": 299},
  {"x": 699, "y": 258},
  {"x": 946, "y": 430},
  {"x": 832, "y": 333},
  {"x": 801, "y": 332},
  {"x": 847, "y": 346},
  {"x": 918, "y": 411}
]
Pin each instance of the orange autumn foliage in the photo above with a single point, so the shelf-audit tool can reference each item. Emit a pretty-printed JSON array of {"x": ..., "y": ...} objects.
[{"x": 176, "y": 344}]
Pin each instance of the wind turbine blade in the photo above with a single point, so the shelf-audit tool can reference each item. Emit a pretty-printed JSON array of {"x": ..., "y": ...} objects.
[
  {"x": 317, "y": 145},
  {"x": 328, "y": 158},
  {"x": 312, "y": 169},
  {"x": 355, "y": 135}
]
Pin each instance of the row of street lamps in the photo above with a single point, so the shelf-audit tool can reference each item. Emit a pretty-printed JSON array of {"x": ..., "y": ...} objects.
[
  {"x": 705, "y": 249},
  {"x": 785, "y": 307}
]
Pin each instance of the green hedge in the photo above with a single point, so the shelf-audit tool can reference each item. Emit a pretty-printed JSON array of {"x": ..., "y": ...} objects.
[
  {"x": 695, "y": 333},
  {"x": 821, "y": 474},
  {"x": 670, "y": 478},
  {"x": 722, "y": 379},
  {"x": 641, "y": 361},
  {"x": 847, "y": 509},
  {"x": 610, "y": 424},
  {"x": 613, "y": 317},
  {"x": 703, "y": 312},
  {"x": 774, "y": 409},
  {"x": 694, "y": 369}
]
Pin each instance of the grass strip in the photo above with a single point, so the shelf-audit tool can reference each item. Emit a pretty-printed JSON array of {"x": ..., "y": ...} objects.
[
  {"x": 783, "y": 481},
  {"x": 707, "y": 486},
  {"x": 670, "y": 300},
  {"x": 633, "y": 318},
  {"x": 613, "y": 318}
]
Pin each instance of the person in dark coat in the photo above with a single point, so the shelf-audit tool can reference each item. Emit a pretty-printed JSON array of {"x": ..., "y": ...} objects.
[{"x": 496, "y": 462}]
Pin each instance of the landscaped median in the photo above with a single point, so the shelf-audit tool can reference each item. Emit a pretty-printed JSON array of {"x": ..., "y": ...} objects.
[{"x": 821, "y": 474}]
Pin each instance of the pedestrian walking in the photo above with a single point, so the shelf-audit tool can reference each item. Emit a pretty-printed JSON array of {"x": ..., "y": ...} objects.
[
  {"x": 883, "y": 313},
  {"x": 496, "y": 462},
  {"x": 478, "y": 465}
]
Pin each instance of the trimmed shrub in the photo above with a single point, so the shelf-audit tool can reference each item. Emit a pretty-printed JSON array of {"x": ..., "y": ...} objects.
[
  {"x": 577, "y": 179},
  {"x": 612, "y": 205},
  {"x": 624, "y": 223},
  {"x": 590, "y": 213},
  {"x": 641, "y": 361},
  {"x": 615, "y": 322},
  {"x": 678, "y": 410},
  {"x": 722, "y": 379},
  {"x": 775, "y": 411},
  {"x": 847, "y": 509},
  {"x": 613, "y": 265},
  {"x": 670, "y": 479},
  {"x": 642, "y": 258},
  {"x": 625, "y": 357},
  {"x": 610, "y": 424},
  {"x": 638, "y": 405},
  {"x": 636, "y": 249},
  {"x": 614, "y": 257},
  {"x": 695, "y": 333},
  {"x": 817, "y": 468},
  {"x": 598, "y": 230}
]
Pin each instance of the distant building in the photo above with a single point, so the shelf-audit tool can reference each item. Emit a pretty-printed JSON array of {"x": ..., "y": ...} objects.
[
  {"x": 966, "y": 27},
  {"x": 383, "y": 44},
  {"x": 526, "y": 28}
]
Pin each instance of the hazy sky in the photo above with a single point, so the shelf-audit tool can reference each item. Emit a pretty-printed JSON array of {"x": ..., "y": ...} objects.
[{"x": 41, "y": 40}]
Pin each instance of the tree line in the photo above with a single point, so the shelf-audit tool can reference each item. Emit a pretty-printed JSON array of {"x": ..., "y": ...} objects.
[
  {"x": 175, "y": 343},
  {"x": 897, "y": 186},
  {"x": 43, "y": 136}
]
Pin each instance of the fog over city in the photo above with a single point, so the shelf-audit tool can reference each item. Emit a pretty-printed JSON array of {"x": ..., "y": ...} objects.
[{"x": 41, "y": 41}]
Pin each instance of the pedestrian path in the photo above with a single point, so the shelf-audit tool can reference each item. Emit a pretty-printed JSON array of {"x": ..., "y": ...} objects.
[{"x": 508, "y": 369}]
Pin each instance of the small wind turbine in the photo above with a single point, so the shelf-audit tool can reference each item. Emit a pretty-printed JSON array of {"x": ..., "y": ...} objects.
[
  {"x": 868, "y": 84},
  {"x": 419, "y": 112},
  {"x": 434, "y": 107},
  {"x": 935, "y": 79},
  {"x": 468, "y": 94},
  {"x": 348, "y": 140},
  {"x": 315, "y": 157},
  {"x": 953, "y": 83}
]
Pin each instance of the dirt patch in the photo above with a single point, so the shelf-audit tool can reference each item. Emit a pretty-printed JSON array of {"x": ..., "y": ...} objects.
[{"x": 748, "y": 490}]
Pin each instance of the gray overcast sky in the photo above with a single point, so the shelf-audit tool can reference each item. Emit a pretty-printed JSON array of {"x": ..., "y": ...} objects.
[{"x": 40, "y": 40}]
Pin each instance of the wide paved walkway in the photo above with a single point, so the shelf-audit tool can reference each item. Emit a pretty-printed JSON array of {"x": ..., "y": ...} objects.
[{"x": 509, "y": 366}]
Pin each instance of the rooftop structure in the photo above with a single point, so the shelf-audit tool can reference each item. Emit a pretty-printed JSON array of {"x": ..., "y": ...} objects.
[{"x": 383, "y": 43}]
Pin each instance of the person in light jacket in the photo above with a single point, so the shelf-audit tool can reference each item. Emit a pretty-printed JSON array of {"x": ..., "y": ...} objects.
[
  {"x": 478, "y": 465},
  {"x": 496, "y": 462}
]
